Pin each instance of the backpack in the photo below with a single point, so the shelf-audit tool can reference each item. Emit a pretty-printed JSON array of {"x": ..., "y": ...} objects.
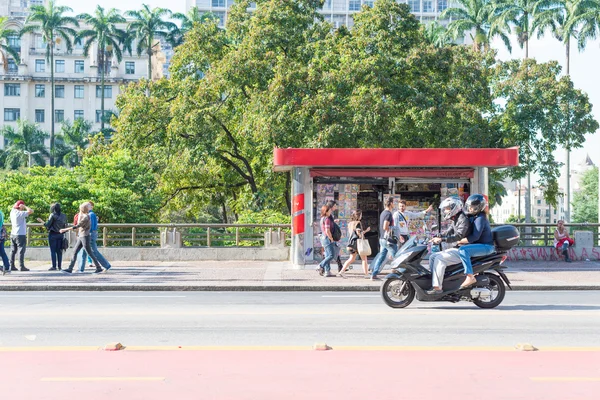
[
  {"x": 65, "y": 243},
  {"x": 3, "y": 233},
  {"x": 336, "y": 232}
]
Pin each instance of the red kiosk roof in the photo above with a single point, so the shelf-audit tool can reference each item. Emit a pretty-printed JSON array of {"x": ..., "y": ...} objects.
[{"x": 286, "y": 159}]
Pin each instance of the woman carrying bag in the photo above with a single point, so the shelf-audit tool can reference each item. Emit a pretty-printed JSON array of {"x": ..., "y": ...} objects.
[
  {"x": 357, "y": 234},
  {"x": 56, "y": 221}
]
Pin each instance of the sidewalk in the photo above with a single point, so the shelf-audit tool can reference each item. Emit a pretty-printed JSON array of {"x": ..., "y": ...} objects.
[{"x": 273, "y": 276}]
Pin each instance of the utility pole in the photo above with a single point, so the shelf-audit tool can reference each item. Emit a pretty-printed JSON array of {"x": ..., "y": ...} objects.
[{"x": 30, "y": 154}]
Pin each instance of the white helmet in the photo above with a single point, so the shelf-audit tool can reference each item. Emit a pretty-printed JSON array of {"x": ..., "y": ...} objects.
[{"x": 450, "y": 207}]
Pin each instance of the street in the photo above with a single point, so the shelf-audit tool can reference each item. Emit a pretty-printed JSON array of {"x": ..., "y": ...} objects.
[{"x": 251, "y": 345}]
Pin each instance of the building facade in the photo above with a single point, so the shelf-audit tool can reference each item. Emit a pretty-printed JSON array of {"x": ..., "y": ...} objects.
[
  {"x": 541, "y": 211},
  {"x": 338, "y": 12},
  {"x": 25, "y": 91}
]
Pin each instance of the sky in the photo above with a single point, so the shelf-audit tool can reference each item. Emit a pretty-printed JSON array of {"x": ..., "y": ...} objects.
[{"x": 584, "y": 65}]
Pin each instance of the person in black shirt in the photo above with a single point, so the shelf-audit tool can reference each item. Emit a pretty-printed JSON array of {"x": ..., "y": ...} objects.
[
  {"x": 56, "y": 221},
  {"x": 385, "y": 230}
]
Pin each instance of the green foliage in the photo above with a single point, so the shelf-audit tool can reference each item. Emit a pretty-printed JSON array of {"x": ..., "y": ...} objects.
[
  {"x": 5, "y": 50},
  {"x": 585, "y": 201},
  {"x": 512, "y": 219},
  {"x": 122, "y": 189},
  {"x": 25, "y": 138}
]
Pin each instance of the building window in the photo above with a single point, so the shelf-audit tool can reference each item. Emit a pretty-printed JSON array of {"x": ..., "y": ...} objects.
[
  {"x": 442, "y": 5},
  {"x": 218, "y": 3},
  {"x": 40, "y": 116},
  {"x": 78, "y": 114},
  {"x": 354, "y": 5},
  {"x": 539, "y": 212},
  {"x": 40, "y": 66},
  {"x": 79, "y": 91},
  {"x": 427, "y": 6},
  {"x": 555, "y": 213},
  {"x": 79, "y": 67},
  {"x": 221, "y": 16},
  {"x": 99, "y": 116},
  {"x": 107, "y": 91},
  {"x": 539, "y": 201},
  {"x": 59, "y": 91},
  {"x": 414, "y": 5},
  {"x": 14, "y": 42},
  {"x": 40, "y": 90},
  {"x": 129, "y": 67},
  {"x": 554, "y": 221},
  {"x": 59, "y": 66},
  {"x": 12, "y": 114},
  {"x": 59, "y": 116},
  {"x": 12, "y": 66},
  {"x": 39, "y": 42},
  {"x": 368, "y": 3},
  {"x": 12, "y": 89}
]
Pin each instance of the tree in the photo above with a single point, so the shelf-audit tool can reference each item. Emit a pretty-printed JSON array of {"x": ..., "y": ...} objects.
[
  {"x": 147, "y": 26},
  {"x": 477, "y": 16},
  {"x": 187, "y": 21},
  {"x": 585, "y": 201},
  {"x": 76, "y": 136},
  {"x": 103, "y": 30},
  {"x": 54, "y": 26},
  {"x": 26, "y": 137},
  {"x": 520, "y": 14},
  {"x": 5, "y": 49},
  {"x": 541, "y": 110},
  {"x": 588, "y": 15},
  {"x": 437, "y": 34}
]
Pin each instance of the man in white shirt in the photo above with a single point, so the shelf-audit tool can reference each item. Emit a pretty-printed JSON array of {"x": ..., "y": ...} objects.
[
  {"x": 402, "y": 218},
  {"x": 18, "y": 233}
]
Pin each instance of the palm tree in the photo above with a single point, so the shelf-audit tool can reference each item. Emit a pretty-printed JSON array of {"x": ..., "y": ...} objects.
[
  {"x": 588, "y": 16},
  {"x": 103, "y": 31},
  {"x": 477, "y": 16},
  {"x": 561, "y": 18},
  {"x": 437, "y": 34},
  {"x": 76, "y": 138},
  {"x": 187, "y": 21},
  {"x": 26, "y": 137},
  {"x": 51, "y": 22},
  {"x": 148, "y": 26},
  {"x": 5, "y": 49},
  {"x": 521, "y": 14}
]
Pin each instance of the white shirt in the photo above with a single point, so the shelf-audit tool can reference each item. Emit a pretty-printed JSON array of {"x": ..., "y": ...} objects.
[
  {"x": 18, "y": 221},
  {"x": 401, "y": 224}
]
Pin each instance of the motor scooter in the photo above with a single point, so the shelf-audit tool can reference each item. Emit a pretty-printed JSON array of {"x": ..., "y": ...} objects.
[{"x": 410, "y": 279}]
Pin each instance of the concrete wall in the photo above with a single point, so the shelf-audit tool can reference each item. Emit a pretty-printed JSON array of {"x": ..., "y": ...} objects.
[
  {"x": 550, "y": 254},
  {"x": 175, "y": 254}
]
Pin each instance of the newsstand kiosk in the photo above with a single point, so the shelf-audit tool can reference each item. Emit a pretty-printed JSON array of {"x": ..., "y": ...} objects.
[{"x": 364, "y": 178}]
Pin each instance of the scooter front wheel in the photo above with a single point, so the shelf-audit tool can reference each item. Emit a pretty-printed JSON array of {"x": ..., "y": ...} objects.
[{"x": 397, "y": 292}]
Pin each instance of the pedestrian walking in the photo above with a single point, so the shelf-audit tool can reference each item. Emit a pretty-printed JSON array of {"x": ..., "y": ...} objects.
[
  {"x": 18, "y": 233},
  {"x": 355, "y": 232},
  {"x": 326, "y": 238},
  {"x": 336, "y": 246},
  {"x": 93, "y": 244},
  {"x": 56, "y": 221},
  {"x": 387, "y": 241},
  {"x": 83, "y": 239},
  {"x": 3, "y": 237}
]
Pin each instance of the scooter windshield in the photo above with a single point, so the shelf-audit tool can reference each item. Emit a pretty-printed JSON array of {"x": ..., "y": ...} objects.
[{"x": 408, "y": 244}]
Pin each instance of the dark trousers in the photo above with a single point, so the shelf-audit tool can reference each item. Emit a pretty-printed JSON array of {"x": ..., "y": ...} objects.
[
  {"x": 56, "y": 243},
  {"x": 4, "y": 256},
  {"x": 18, "y": 243},
  {"x": 84, "y": 242}
]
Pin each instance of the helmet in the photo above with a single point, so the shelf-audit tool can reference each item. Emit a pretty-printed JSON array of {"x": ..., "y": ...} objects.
[
  {"x": 453, "y": 204},
  {"x": 477, "y": 202}
]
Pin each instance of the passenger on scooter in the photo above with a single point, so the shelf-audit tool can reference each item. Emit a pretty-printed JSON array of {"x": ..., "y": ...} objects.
[
  {"x": 452, "y": 210},
  {"x": 479, "y": 241}
]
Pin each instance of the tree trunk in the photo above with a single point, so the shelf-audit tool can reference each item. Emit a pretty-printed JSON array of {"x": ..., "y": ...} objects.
[
  {"x": 51, "y": 100},
  {"x": 102, "y": 55},
  {"x": 568, "y": 163},
  {"x": 519, "y": 199},
  {"x": 149, "y": 60},
  {"x": 224, "y": 210},
  {"x": 528, "y": 199}
]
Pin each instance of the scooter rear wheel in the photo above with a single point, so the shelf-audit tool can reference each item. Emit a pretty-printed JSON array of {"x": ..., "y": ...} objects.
[
  {"x": 397, "y": 292},
  {"x": 496, "y": 286}
]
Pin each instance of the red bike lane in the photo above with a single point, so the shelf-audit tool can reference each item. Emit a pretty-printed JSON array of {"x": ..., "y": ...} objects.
[{"x": 299, "y": 374}]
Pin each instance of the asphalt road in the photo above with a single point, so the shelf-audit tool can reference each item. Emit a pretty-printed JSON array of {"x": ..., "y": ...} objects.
[{"x": 551, "y": 319}]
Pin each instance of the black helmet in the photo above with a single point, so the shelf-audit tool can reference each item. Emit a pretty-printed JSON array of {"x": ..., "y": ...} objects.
[{"x": 477, "y": 202}]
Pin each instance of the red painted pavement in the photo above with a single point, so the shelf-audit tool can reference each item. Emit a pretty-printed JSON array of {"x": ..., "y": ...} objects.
[{"x": 280, "y": 375}]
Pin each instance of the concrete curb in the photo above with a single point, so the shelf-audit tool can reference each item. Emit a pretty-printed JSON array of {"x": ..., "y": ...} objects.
[{"x": 253, "y": 288}]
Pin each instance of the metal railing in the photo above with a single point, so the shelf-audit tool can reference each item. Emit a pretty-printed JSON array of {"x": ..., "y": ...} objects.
[
  {"x": 543, "y": 234},
  {"x": 192, "y": 235}
]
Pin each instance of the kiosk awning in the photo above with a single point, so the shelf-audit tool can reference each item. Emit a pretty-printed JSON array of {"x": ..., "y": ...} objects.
[{"x": 286, "y": 159}]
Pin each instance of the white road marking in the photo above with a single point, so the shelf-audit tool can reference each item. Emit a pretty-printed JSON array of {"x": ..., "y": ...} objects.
[
  {"x": 371, "y": 296},
  {"x": 47, "y": 296}
]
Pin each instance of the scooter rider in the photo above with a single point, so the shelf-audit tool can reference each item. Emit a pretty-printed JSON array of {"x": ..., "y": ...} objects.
[{"x": 451, "y": 209}]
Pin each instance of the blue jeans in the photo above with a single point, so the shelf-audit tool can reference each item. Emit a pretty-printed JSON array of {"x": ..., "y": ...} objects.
[
  {"x": 473, "y": 250},
  {"x": 4, "y": 256},
  {"x": 83, "y": 254},
  {"x": 384, "y": 248},
  {"x": 328, "y": 246}
]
